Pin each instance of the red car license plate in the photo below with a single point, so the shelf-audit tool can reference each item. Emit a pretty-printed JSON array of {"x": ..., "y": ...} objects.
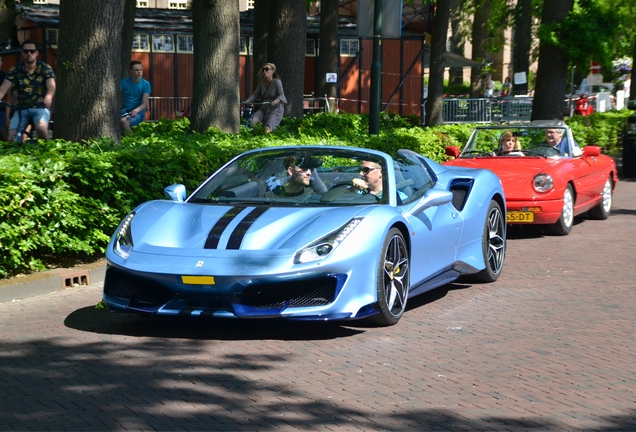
[{"x": 517, "y": 216}]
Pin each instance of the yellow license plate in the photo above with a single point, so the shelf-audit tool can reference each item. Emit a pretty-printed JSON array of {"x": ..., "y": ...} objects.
[
  {"x": 518, "y": 216},
  {"x": 198, "y": 280}
]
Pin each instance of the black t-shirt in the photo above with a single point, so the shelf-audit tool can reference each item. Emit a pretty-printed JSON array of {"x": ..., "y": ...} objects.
[{"x": 282, "y": 192}]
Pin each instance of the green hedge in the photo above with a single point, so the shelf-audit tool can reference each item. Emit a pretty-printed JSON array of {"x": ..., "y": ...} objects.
[{"x": 64, "y": 200}]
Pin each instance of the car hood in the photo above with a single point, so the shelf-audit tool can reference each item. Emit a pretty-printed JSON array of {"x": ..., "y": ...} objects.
[
  {"x": 516, "y": 173},
  {"x": 163, "y": 227}
]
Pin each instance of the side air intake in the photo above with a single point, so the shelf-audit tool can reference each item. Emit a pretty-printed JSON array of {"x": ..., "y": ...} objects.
[{"x": 461, "y": 189}]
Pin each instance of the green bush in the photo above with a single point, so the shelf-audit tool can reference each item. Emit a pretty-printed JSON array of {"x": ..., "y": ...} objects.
[
  {"x": 62, "y": 199},
  {"x": 601, "y": 129}
]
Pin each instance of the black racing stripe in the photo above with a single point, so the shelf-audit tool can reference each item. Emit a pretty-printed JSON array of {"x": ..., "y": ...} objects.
[
  {"x": 241, "y": 229},
  {"x": 215, "y": 233}
]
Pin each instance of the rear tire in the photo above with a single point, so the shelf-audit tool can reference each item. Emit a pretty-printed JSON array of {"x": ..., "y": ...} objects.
[
  {"x": 493, "y": 244},
  {"x": 602, "y": 210},
  {"x": 564, "y": 225},
  {"x": 392, "y": 280}
]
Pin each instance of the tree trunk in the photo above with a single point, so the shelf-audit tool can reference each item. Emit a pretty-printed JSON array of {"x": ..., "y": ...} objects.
[
  {"x": 7, "y": 25},
  {"x": 329, "y": 53},
  {"x": 632, "y": 86},
  {"x": 435, "y": 102},
  {"x": 89, "y": 62},
  {"x": 127, "y": 33},
  {"x": 479, "y": 37},
  {"x": 216, "y": 97},
  {"x": 456, "y": 75},
  {"x": 521, "y": 46},
  {"x": 286, "y": 49},
  {"x": 549, "y": 96},
  {"x": 261, "y": 27}
]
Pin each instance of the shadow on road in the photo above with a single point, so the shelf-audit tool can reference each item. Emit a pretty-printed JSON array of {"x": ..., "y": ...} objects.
[{"x": 90, "y": 319}]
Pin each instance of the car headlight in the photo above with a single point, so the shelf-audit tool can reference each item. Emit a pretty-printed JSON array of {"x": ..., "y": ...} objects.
[
  {"x": 123, "y": 241},
  {"x": 542, "y": 183},
  {"x": 323, "y": 247}
]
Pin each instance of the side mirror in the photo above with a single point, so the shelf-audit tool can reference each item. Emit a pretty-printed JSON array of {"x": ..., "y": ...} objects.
[
  {"x": 590, "y": 151},
  {"x": 452, "y": 151},
  {"x": 432, "y": 198},
  {"x": 176, "y": 192}
]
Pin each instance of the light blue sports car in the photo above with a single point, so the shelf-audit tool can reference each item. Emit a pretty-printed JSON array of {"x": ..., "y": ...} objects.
[{"x": 309, "y": 233}]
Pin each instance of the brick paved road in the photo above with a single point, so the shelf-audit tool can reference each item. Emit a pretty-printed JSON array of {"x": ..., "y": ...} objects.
[{"x": 550, "y": 346}]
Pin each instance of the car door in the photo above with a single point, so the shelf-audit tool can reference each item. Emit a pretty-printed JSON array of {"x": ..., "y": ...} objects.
[
  {"x": 437, "y": 229},
  {"x": 589, "y": 176},
  {"x": 586, "y": 172}
]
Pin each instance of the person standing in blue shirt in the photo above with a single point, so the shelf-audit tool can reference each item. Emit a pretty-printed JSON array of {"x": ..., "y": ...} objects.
[{"x": 136, "y": 92}]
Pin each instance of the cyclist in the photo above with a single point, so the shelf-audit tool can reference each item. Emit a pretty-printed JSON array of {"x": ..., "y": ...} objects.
[{"x": 34, "y": 83}]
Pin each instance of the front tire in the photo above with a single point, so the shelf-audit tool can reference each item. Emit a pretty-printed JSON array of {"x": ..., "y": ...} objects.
[
  {"x": 493, "y": 244},
  {"x": 564, "y": 225},
  {"x": 602, "y": 210},
  {"x": 392, "y": 279}
]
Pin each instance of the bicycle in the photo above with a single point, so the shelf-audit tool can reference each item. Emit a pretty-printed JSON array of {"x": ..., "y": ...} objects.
[
  {"x": 23, "y": 129},
  {"x": 247, "y": 110}
]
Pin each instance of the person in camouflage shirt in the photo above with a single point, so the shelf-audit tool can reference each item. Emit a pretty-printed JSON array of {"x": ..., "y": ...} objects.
[{"x": 34, "y": 83}]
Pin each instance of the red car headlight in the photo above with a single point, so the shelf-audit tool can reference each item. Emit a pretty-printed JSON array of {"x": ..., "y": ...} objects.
[{"x": 542, "y": 183}]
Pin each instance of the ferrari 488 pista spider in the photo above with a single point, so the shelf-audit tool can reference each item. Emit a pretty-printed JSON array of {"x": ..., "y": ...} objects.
[{"x": 309, "y": 233}]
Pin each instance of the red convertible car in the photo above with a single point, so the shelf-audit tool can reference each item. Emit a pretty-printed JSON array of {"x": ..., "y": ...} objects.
[{"x": 547, "y": 178}]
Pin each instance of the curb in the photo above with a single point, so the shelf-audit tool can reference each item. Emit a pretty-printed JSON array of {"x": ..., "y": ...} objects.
[{"x": 40, "y": 283}]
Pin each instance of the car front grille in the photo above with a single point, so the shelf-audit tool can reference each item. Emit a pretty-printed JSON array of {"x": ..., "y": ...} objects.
[
  {"x": 298, "y": 293},
  {"x": 141, "y": 291}
]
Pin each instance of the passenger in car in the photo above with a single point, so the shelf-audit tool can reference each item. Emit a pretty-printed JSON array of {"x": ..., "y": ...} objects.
[
  {"x": 300, "y": 172},
  {"x": 509, "y": 145}
]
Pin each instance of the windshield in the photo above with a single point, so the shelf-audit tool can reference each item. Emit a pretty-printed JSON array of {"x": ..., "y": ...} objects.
[
  {"x": 299, "y": 176},
  {"x": 521, "y": 141}
]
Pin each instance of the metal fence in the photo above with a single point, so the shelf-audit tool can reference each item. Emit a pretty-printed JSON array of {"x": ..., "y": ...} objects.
[
  {"x": 456, "y": 110},
  {"x": 312, "y": 105},
  {"x": 175, "y": 107},
  {"x": 487, "y": 110},
  {"x": 168, "y": 107}
]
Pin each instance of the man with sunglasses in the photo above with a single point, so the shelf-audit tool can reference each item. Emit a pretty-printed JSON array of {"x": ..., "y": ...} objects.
[
  {"x": 34, "y": 83},
  {"x": 300, "y": 171},
  {"x": 370, "y": 181}
]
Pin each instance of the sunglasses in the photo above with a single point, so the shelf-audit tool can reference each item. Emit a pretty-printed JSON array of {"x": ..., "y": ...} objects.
[
  {"x": 366, "y": 170},
  {"x": 29, "y": 51},
  {"x": 266, "y": 69}
]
